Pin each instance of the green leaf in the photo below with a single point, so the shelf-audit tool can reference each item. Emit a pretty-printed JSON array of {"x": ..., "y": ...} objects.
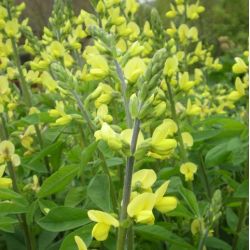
[
  {"x": 180, "y": 211},
  {"x": 190, "y": 200},
  {"x": 232, "y": 219},
  {"x": 86, "y": 155},
  {"x": 216, "y": 243},
  {"x": 99, "y": 192},
  {"x": 83, "y": 232},
  {"x": 9, "y": 194},
  {"x": 63, "y": 218},
  {"x": 158, "y": 233},
  {"x": 242, "y": 190},
  {"x": 12, "y": 208},
  {"x": 75, "y": 196},
  {"x": 58, "y": 181},
  {"x": 7, "y": 224}
]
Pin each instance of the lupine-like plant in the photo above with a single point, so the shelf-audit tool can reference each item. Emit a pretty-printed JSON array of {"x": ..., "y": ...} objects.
[{"x": 116, "y": 135}]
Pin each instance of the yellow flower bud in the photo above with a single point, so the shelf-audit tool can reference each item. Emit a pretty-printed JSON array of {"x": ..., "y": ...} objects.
[
  {"x": 80, "y": 243},
  {"x": 188, "y": 169}
]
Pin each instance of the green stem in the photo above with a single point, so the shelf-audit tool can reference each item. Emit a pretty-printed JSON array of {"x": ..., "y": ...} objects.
[
  {"x": 203, "y": 239},
  {"x": 21, "y": 218},
  {"x": 124, "y": 95},
  {"x": 122, "y": 232},
  {"x": 130, "y": 238},
  {"x": 175, "y": 118},
  {"x": 92, "y": 128},
  {"x": 241, "y": 223}
]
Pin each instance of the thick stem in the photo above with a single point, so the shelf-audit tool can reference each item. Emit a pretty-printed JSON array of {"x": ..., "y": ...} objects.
[
  {"x": 93, "y": 129},
  {"x": 203, "y": 239},
  {"x": 175, "y": 118},
  {"x": 122, "y": 232},
  {"x": 124, "y": 94}
]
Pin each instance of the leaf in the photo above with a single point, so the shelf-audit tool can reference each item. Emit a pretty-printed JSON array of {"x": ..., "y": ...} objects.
[
  {"x": 242, "y": 190},
  {"x": 216, "y": 243},
  {"x": 99, "y": 192},
  {"x": 7, "y": 224},
  {"x": 58, "y": 181},
  {"x": 63, "y": 218},
  {"x": 232, "y": 219},
  {"x": 190, "y": 200},
  {"x": 180, "y": 211},
  {"x": 9, "y": 194},
  {"x": 12, "y": 208},
  {"x": 86, "y": 155},
  {"x": 83, "y": 232},
  {"x": 158, "y": 233},
  {"x": 75, "y": 196}
]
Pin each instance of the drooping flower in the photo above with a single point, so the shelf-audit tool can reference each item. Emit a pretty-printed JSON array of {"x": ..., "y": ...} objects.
[
  {"x": 240, "y": 66},
  {"x": 188, "y": 169},
  {"x": 187, "y": 139},
  {"x": 134, "y": 68},
  {"x": 104, "y": 222},
  {"x": 7, "y": 153}
]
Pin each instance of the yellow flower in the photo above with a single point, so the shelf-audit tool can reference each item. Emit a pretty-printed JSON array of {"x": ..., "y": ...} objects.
[
  {"x": 161, "y": 146},
  {"x": 134, "y": 68},
  {"x": 4, "y": 181},
  {"x": 147, "y": 30},
  {"x": 104, "y": 222},
  {"x": 4, "y": 86},
  {"x": 187, "y": 139},
  {"x": 192, "y": 109},
  {"x": 80, "y": 243},
  {"x": 99, "y": 66},
  {"x": 48, "y": 82},
  {"x": 163, "y": 203},
  {"x": 188, "y": 169},
  {"x": 131, "y": 6},
  {"x": 107, "y": 134},
  {"x": 143, "y": 179},
  {"x": 171, "y": 66},
  {"x": 56, "y": 49},
  {"x": 7, "y": 153},
  {"x": 239, "y": 67},
  {"x": 11, "y": 28},
  {"x": 239, "y": 92},
  {"x": 140, "y": 208},
  {"x": 197, "y": 226},
  {"x": 58, "y": 111},
  {"x": 103, "y": 115},
  {"x": 126, "y": 136},
  {"x": 184, "y": 82},
  {"x": 65, "y": 119}
]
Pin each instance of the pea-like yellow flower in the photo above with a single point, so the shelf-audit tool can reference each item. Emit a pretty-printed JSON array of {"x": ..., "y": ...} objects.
[
  {"x": 48, "y": 82},
  {"x": 161, "y": 146},
  {"x": 163, "y": 203},
  {"x": 240, "y": 66},
  {"x": 184, "y": 82},
  {"x": 7, "y": 153},
  {"x": 56, "y": 49},
  {"x": 187, "y": 139},
  {"x": 103, "y": 115},
  {"x": 238, "y": 92},
  {"x": 192, "y": 109},
  {"x": 4, "y": 181},
  {"x": 107, "y": 134},
  {"x": 104, "y": 222},
  {"x": 143, "y": 179},
  {"x": 147, "y": 31},
  {"x": 80, "y": 243},
  {"x": 131, "y": 6},
  {"x": 65, "y": 119},
  {"x": 188, "y": 169},
  {"x": 193, "y": 11},
  {"x": 140, "y": 208},
  {"x": 171, "y": 66},
  {"x": 4, "y": 86},
  {"x": 134, "y": 68},
  {"x": 11, "y": 28}
]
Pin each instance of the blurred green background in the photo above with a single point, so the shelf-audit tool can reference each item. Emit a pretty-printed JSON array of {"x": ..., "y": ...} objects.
[{"x": 224, "y": 23}]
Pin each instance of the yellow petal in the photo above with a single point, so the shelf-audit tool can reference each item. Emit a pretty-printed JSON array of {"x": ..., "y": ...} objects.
[
  {"x": 187, "y": 139},
  {"x": 134, "y": 68},
  {"x": 145, "y": 178},
  {"x": 102, "y": 217},
  {"x": 166, "y": 204},
  {"x": 126, "y": 136},
  {"x": 15, "y": 159},
  {"x": 7, "y": 148},
  {"x": 145, "y": 201},
  {"x": 100, "y": 231},
  {"x": 5, "y": 182},
  {"x": 160, "y": 192},
  {"x": 145, "y": 217},
  {"x": 80, "y": 243}
]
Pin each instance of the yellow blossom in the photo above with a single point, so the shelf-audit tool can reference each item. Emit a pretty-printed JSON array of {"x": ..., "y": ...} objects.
[
  {"x": 187, "y": 139},
  {"x": 171, "y": 66},
  {"x": 240, "y": 66},
  {"x": 140, "y": 208},
  {"x": 133, "y": 69},
  {"x": 7, "y": 153},
  {"x": 4, "y": 86},
  {"x": 143, "y": 179},
  {"x": 56, "y": 49},
  {"x": 104, "y": 222},
  {"x": 184, "y": 82},
  {"x": 4, "y": 181},
  {"x": 131, "y": 6},
  {"x": 11, "y": 28},
  {"x": 188, "y": 169}
]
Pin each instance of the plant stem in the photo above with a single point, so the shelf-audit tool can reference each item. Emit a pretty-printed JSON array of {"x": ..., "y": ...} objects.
[
  {"x": 21, "y": 218},
  {"x": 203, "y": 170},
  {"x": 175, "y": 118},
  {"x": 124, "y": 95},
  {"x": 203, "y": 239},
  {"x": 127, "y": 187},
  {"x": 93, "y": 129},
  {"x": 130, "y": 238}
]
